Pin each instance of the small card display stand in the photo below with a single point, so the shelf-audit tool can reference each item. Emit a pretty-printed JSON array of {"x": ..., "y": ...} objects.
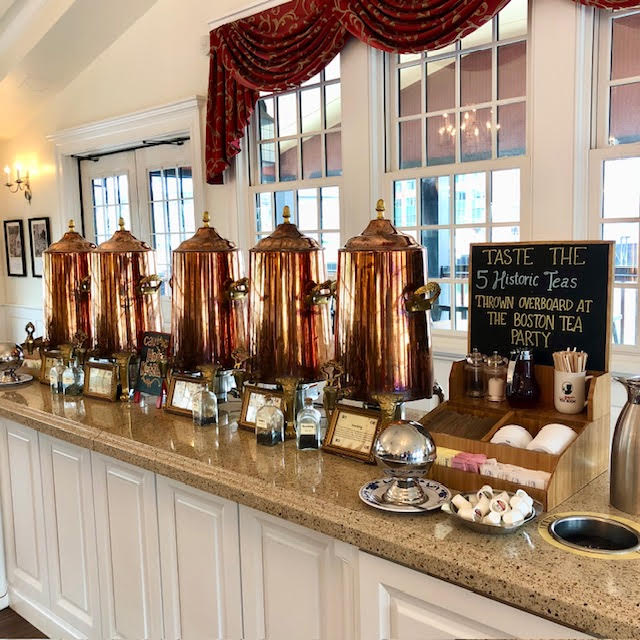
[{"x": 583, "y": 460}]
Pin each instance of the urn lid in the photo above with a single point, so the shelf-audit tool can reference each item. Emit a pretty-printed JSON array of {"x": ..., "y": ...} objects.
[
  {"x": 71, "y": 242},
  {"x": 205, "y": 240},
  {"x": 287, "y": 237},
  {"x": 381, "y": 235},
  {"x": 122, "y": 241}
]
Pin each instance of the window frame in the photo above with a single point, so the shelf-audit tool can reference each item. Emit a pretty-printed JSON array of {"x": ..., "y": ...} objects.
[
  {"x": 602, "y": 151},
  {"x": 253, "y": 185},
  {"x": 452, "y": 338}
]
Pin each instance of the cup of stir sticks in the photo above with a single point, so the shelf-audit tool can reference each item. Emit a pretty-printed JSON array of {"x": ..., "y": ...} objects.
[{"x": 570, "y": 381}]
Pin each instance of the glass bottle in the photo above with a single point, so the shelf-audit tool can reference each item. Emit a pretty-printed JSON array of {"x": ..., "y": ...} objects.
[
  {"x": 474, "y": 374},
  {"x": 522, "y": 389},
  {"x": 55, "y": 376},
  {"x": 69, "y": 380},
  {"x": 204, "y": 405},
  {"x": 496, "y": 377},
  {"x": 308, "y": 426},
  {"x": 79, "y": 373},
  {"x": 269, "y": 423}
]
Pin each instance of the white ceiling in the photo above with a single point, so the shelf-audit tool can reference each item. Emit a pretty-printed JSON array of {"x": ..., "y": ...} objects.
[{"x": 45, "y": 44}]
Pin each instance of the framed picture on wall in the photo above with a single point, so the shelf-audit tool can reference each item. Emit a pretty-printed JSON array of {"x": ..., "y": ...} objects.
[
  {"x": 14, "y": 248},
  {"x": 40, "y": 238}
]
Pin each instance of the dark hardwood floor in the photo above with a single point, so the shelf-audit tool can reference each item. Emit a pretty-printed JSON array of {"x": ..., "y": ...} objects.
[{"x": 13, "y": 626}]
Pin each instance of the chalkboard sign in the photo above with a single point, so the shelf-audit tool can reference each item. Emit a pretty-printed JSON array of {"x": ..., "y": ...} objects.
[
  {"x": 155, "y": 349},
  {"x": 543, "y": 296}
]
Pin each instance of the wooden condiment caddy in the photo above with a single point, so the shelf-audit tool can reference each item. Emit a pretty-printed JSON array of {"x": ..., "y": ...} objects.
[{"x": 585, "y": 458}]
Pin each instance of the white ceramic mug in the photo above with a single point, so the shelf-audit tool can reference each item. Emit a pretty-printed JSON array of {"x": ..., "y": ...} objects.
[{"x": 569, "y": 391}]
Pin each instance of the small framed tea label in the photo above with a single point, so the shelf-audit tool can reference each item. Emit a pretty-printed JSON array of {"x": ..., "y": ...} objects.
[
  {"x": 252, "y": 399},
  {"x": 181, "y": 391},
  {"x": 352, "y": 432},
  {"x": 101, "y": 380},
  {"x": 48, "y": 360}
]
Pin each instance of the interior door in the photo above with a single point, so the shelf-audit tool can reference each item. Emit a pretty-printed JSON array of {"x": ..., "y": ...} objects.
[
  {"x": 110, "y": 190},
  {"x": 166, "y": 200}
]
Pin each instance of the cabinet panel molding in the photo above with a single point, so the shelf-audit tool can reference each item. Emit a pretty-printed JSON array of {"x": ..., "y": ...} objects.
[
  {"x": 200, "y": 561},
  {"x": 128, "y": 551},
  {"x": 23, "y": 514},
  {"x": 404, "y": 604},
  {"x": 71, "y": 534},
  {"x": 295, "y": 580}
]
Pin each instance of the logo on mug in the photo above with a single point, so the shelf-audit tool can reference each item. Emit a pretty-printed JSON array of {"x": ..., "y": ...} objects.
[{"x": 567, "y": 388}]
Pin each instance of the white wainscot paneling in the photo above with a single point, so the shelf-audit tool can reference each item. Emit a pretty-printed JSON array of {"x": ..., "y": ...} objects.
[
  {"x": 14, "y": 318},
  {"x": 128, "y": 552},
  {"x": 200, "y": 561},
  {"x": 71, "y": 535},
  {"x": 401, "y": 604},
  {"x": 296, "y": 583}
]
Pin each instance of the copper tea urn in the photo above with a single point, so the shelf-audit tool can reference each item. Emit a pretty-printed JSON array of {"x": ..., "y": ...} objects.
[
  {"x": 67, "y": 288},
  {"x": 383, "y": 337},
  {"x": 125, "y": 293},
  {"x": 208, "y": 308},
  {"x": 289, "y": 321}
]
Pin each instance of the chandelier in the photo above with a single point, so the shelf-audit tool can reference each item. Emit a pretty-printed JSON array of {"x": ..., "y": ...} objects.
[{"x": 470, "y": 125}]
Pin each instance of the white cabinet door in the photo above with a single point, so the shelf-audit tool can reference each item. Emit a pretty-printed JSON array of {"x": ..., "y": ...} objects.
[
  {"x": 296, "y": 583},
  {"x": 128, "y": 553},
  {"x": 399, "y": 603},
  {"x": 71, "y": 534},
  {"x": 200, "y": 561},
  {"x": 24, "y": 536}
]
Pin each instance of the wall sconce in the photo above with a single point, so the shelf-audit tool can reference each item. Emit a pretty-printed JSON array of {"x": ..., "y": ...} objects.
[{"x": 19, "y": 184}]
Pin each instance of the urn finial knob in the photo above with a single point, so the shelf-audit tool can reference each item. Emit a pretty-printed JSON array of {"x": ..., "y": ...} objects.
[
  {"x": 286, "y": 214},
  {"x": 205, "y": 219},
  {"x": 380, "y": 208}
]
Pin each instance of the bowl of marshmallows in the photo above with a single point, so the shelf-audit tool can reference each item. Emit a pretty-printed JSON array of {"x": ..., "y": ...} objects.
[{"x": 493, "y": 512}]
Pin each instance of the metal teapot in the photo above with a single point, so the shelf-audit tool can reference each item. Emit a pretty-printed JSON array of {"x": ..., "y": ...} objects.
[{"x": 625, "y": 452}]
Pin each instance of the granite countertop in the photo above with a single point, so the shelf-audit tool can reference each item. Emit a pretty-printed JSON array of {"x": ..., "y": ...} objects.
[{"x": 320, "y": 491}]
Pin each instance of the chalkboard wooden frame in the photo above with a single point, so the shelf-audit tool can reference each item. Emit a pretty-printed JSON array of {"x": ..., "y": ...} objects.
[{"x": 602, "y": 358}]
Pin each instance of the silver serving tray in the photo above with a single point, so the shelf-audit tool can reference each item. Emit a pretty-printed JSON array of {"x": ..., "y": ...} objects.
[{"x": 491, "y": 529}]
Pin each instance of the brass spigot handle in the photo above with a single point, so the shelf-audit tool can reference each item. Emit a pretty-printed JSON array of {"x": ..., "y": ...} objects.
[
  {"x": 149, "y": 284},
  {"x": 416, "y": 302},
  {"x": 323, "y": 292},
  {"x": 238, "y": 289}
]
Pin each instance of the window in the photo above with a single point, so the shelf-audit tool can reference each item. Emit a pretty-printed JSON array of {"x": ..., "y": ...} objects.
[
  {"x": 615, "y": 165},
  {"x": 172, "y": 214},
  {"x": 297, "y": 152},
  {"x": 457, "y": 145},
  {"x": 110, "y": 196},
  {"x": 446, "y": 213},
  {"x": 152, "y": 188}
]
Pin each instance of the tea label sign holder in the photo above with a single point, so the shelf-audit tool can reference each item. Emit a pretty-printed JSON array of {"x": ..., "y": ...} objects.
[
  {"x": 542, "y": 296},
  {"x": 154, "y": 352},
  {"x": 352, "y": 432}
]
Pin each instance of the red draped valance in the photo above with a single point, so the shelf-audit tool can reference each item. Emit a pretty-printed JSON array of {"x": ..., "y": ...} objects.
[{"x": 284, "y": 46}]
